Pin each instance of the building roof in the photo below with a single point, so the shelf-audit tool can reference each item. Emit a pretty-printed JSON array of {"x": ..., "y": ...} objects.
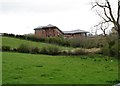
[
  {"x": 48, "y": 26},
  {"x": 75, "y": 31},
  {"x": 41, "y": 27}
]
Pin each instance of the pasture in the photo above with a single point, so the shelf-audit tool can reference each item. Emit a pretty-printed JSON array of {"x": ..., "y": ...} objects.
[
  {"x": 15, "y": 43},
  {"x": 20, "y": 68}
]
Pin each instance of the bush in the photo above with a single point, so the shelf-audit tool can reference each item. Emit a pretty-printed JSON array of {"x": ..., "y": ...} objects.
[
  {"x": 65, "y": 52},
  {"x": 75, "y": 43},
  {"x": 5, "y": 48},
  {"x": 105, "y": 50},
  {"x": 51, "y": 50},
  {"x": 10, "y": 35},
  {"x": 78, "y": 52},
  {"x": 115, "y": 50},
  {"x": 0, "y": 48},
  {"x": 14, "y": 49},
  {"x": 34, "y": 50},
  {"x": 111, "y": 47},
  {"x": 43, "y": 50},
  {"x": 88, "y": 43},
  {"x": 20, "y": 36},
  {"x": 24, "y": 48}
]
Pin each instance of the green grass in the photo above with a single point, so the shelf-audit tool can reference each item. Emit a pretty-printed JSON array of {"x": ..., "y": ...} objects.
[
  {"x": 0, "y": 41},
  {"x": 15, "y": 42},
  {"x": 0, "y": 68},
  {"x": 0, "y": 63},
  {"x": 21, "y": 68}
]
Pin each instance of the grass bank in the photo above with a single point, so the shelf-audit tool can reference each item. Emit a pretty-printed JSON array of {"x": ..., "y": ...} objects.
[
  {"x": 15, "y": 42},
  {"x": 21, "y": 68}
]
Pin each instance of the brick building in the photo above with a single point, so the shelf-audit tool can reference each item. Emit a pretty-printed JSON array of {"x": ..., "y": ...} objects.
[
  {"x": 48, "y": 31},
  {"x": 53, "y": 31},
  {"x": 75, "y": 33}
]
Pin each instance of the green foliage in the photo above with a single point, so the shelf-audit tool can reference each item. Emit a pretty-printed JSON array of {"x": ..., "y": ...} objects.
[
  {"x": 43, "y": 50},
  {"x": 111, "y": 46},
  {"x": 51, "y": 50},
  {"x": 84, "y": 42},
  {"x": 105, "y": 50},
  {"x": 114, "y": 49},
  {"x": 34, "y": 50},
  {"x": 24, "y": 48},
  {"x": 5, "y": 48}
]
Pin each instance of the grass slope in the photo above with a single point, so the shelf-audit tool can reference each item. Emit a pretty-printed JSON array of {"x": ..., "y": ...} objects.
[
  {"x": 21, "y": 68},
  {"x": 15, "y": 42}
]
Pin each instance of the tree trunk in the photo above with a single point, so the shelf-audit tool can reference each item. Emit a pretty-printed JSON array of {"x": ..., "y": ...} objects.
[{"x": 119, "y": 33}]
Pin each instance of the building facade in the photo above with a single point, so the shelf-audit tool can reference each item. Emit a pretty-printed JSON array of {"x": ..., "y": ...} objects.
[{"x": 48, "y": 31}]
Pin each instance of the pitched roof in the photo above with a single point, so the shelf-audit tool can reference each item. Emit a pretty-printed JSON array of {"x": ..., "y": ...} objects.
[
  {"x": 50, "y": 25},
  {"x": 75, "y": 31},
  {"x": 40, "y": 27}
]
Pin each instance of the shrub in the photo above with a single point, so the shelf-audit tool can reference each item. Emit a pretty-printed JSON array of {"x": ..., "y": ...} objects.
[
  {"x": 86, "y": 42},
  {"x": 43, "y": 50},
  {"x": 111, "y": 47},
  {"x": 10, "y": 35},
  {"x": 105, "y": 49},
  {"x": 65, "y": 52},
  {"x": 5, "y": 48},
  {"x": 78, "y": 52},
  {"x": 24, "y": 48},
  {"x": 75, "y": 43},
  {"x": 14, "y": 49},
  {"x": 0, "y": 48},
  {"x": 20, "y": 36},
  {"x": 51, "y": 50},
  {"x": 34, "y": 50},
  {"x": 114, "y": 51}
]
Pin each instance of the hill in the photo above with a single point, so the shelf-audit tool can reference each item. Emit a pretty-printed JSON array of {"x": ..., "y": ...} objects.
[{"x": 15, "y": 42}]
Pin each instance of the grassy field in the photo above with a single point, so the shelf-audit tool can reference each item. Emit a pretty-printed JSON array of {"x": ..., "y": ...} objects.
[
  {"x": 15, "y": 42},
  {"x": 0, "y": 68},
  {"x": 21, "y": 68}
]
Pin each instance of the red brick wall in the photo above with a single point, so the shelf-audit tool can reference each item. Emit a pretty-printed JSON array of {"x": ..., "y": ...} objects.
[{"x": 48, "y": 32}]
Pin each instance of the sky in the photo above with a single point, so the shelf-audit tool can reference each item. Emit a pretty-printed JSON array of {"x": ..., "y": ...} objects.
[{"x": 22, "y": 16}]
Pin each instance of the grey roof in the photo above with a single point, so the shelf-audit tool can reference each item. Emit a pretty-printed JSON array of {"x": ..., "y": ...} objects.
[
  {"x": 40, "y": 27},
  {"x": 75, "y": 31}
]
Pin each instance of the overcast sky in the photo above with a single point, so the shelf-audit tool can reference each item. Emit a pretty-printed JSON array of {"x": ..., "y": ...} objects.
[{"x": 22, "y": 16}]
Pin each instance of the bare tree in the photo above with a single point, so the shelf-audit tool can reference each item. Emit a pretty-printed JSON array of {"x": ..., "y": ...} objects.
[{"x": 107, "y": 15}]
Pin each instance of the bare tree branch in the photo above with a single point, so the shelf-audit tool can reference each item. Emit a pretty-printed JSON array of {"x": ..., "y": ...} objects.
[
  {"x": 104, "y": 22},
  {"x": 107, "y": 15},
  {"x": 102, "y": 6},
  {"x": 110, "y": 11},
  {"x": 118, "y": 13},
  {"x": 93, "y": 6}
]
